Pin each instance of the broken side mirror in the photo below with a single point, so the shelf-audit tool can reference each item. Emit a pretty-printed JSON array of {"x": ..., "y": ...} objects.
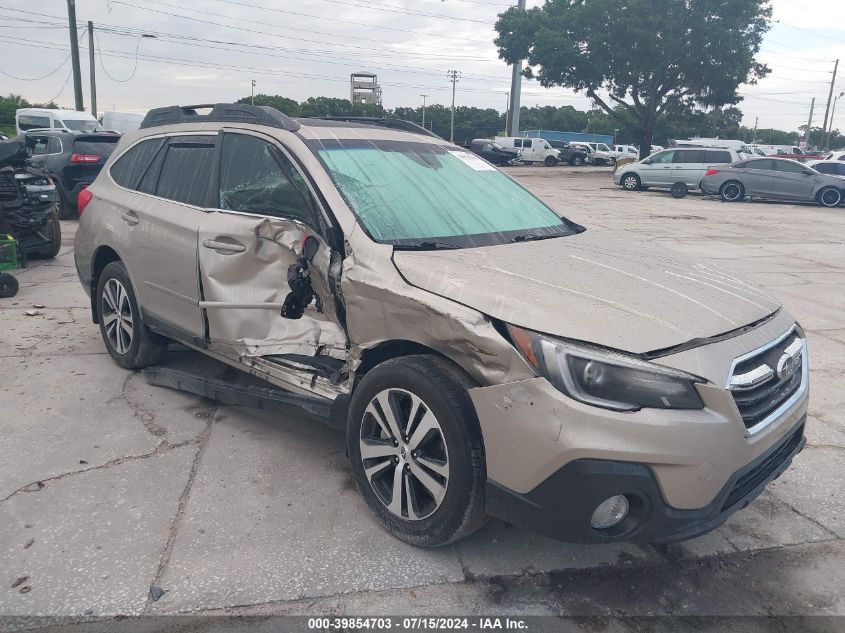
[{"x": 299, "y": 280}]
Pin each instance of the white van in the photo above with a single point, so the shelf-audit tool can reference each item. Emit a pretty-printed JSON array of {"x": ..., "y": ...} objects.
[
  {"x": 123, "y": 122},
  {"x": 534, "y": 150},
  {"x": 46, "y": 118}
]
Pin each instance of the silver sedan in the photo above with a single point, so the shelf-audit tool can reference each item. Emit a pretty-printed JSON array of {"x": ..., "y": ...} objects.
[{"x": 778, "y": 178}]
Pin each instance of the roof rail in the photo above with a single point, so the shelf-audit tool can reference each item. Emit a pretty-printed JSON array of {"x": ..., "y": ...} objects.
[
  {"x": 220, "y": 113},
  {"x": 395, "y": 124}
]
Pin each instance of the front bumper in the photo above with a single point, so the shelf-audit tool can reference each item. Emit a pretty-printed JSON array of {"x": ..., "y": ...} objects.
[{"x": 561, "y": 507}]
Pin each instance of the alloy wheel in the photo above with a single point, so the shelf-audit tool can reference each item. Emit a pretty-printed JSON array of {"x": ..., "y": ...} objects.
[
  {"x": 404, "y": 454},
  {"x": 118, "y": 320},
  {"x": 831, "y": 197},
  {"x": 731, "y": 192},
  {"x": 630, "y": 183}
]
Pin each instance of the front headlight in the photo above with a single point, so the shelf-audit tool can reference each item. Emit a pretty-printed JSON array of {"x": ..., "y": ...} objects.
[{"x": 606, "y": 378}]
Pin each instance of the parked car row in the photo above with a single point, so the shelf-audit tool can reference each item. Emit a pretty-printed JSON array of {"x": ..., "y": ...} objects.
[{"x": 733, "y": 176}]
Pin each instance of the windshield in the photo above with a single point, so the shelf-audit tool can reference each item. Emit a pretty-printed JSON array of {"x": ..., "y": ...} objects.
[
  {"x": 420, "y": 194},
  {"x": 82, "y": 125}
]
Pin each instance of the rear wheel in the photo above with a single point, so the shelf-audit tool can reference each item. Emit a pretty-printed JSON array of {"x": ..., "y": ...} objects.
[
  {"x": 131, "y": 344},
  {"x": 829, "y": 197},
  {"x": 630, "y": 182},
  {"x": 550, "y": 161},
  {"x": 576, "y": 161},
  {"x": 416, "y": 452},
  {"x": 732, "y": 191}
]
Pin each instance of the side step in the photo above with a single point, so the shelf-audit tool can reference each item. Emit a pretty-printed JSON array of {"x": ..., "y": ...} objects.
[{"x": 236, "y": 388}]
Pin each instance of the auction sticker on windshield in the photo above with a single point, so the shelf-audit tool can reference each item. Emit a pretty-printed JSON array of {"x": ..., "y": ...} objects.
[{"x": 473, "y": 161}]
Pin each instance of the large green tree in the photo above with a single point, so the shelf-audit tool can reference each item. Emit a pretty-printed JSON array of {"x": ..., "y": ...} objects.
[{"x": 640, "y": 60}]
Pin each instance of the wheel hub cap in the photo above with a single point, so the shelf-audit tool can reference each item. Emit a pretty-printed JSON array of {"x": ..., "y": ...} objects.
[
  {"x": 116, "y": 311},
  {"x": 404, "y": 454}
]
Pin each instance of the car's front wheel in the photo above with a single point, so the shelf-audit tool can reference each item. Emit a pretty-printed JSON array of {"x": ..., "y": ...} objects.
[
  {"x": 550, "y": 161},
  {"x": 131, "y": 344},
  {"x": 829, "y": 197},
  {"x": 630, "y": 182},
  {"x": 732, "y": 191},
  {"x": 576, "y": 161},
  {"x": 416, "y": 452}
]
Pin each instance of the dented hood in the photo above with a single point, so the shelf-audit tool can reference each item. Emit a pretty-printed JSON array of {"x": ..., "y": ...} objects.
[{"x": 595, "y": 286}]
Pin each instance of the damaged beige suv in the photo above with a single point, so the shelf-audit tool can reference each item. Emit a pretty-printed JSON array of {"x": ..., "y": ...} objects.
[{"x": 487, "y": 357}]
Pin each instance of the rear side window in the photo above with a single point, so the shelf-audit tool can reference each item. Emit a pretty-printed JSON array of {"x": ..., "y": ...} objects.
[
  {"x": 826, "y": 168},
  {"x": 99, "y": 147},
  {"x": 130, "y": 167},
  {"x": 766, "y": 164},
  {"x": 186, "y": 171},
  {"x": 31, "y": 122},
  {"x": 689, "y": 156},
  {"x": 711, "y": 156},
  {"x": 39, "y": 144}
]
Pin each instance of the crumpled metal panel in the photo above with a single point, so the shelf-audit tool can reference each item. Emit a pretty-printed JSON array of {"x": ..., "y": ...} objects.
[
  {"x": 594, "y": 287},
  {"x": 381, "y": 306},
  {"x": 259, "y": 275}
]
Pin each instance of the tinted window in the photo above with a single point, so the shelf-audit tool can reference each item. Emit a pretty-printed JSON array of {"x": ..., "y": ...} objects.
[
  {"x": 38, "y": 144},
  {"x": 29, "y": 121},
  {"x": 826, "y": 168},
  {"x": 54, "y": 146},
  {"x": 762, "y": 163},
  {"x": 664, "y": 157},
  {"x": 689, "y": 156},
  {"x": 99, "y": 146},
  {"x": 789, "y": 167},
  {"x": 130, "y": 167},
  {"x": 517, "y": 142},
  {"x": 255, "y": 177},
  {"x": 186, "y": 171},
  {"x": 712, "y": 156}
]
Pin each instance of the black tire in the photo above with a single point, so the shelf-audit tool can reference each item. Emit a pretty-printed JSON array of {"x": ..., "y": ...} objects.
[
  {"x": 143, "y": 347},
  {"x": 576, "y": 161},
  {"x": 67, "y": 210},
  {"x": 829, "y": 197},
  {"x": 8, "y": 286},
  {"x": 550, "y": 161},
  {"x": 442, "y": 388},
  {"x": 679, "y": 190},
  {"x": 732, "y": 191},
  {"x": 630, "y": 182},
  {"x": 53, "y": 232},
  {"x": 611, "y": 161}
]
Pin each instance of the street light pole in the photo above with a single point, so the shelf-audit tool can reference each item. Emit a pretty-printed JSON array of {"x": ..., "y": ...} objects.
[
  {"x": 453, "y": 75},
  {"x": 423, "y": 121}
]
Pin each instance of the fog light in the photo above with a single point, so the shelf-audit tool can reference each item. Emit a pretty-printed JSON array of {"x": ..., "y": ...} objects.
[{"x": 610, "y": 512}]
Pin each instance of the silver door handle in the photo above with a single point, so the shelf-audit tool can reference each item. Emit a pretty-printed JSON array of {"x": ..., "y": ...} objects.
[
  {"x": 130, "y": 217},
  {"x": 226, "y": 247},
  {"x": 667, "y": 167}
]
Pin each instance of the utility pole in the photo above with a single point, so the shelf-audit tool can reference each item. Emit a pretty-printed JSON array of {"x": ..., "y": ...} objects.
[
  {"x": 754, "y": 136},
  {"x": 809, "y": 124},
  {"x": 93, "y": 69},
  {"x": 453, "y": 75},
  {"x": 507, "y": 113},
  {"x": 829, "y": 97},
  {"x": 830, "y": 125},
  {"x": 423, "y": 122},
  {"x": 252, "y": 93},
  {"x": 516, "y": 90},
  {"x": 74, "y": 55}
]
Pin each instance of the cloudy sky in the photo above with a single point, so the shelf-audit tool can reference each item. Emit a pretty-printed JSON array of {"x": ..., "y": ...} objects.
[{"x": 210, "y": 50}]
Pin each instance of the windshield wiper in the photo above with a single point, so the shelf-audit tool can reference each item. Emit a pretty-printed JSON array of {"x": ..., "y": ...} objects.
[
  {"x": 426, "y": 245},
  {"x": 532, "y": 237}
]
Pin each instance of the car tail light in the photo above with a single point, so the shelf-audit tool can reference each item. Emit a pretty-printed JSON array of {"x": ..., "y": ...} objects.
[
  {"x": 82, "y": 200},
  {"x": 84, "y": 158},
  {"x": 711, "y": 172}
]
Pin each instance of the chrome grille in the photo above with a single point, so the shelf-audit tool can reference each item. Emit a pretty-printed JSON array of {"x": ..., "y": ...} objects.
[{"x": 766, "y": 380}]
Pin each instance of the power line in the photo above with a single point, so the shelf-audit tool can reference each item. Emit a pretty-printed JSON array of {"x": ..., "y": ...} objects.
[
  {"x": 392, "y": 8},
  {"x": 52, "y": 72}
]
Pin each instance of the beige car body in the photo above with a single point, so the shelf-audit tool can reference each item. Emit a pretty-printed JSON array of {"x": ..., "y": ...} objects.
[{"x": 593, "y": 287}]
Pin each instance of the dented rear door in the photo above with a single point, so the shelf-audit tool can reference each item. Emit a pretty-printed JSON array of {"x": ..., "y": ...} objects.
[{"x": 250, "y": 245}]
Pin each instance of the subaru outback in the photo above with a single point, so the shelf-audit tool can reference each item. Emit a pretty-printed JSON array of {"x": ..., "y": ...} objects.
[{"x": 488, "y": 356}]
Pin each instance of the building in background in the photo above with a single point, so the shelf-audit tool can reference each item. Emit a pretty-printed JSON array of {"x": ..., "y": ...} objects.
[{"x": 364, "y": 88}]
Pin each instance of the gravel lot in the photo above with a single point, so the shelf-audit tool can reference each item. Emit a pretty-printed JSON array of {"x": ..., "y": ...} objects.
[{"x": 109, "y": 486}]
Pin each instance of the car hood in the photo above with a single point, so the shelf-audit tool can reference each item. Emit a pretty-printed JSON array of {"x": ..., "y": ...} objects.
[{"x": 595, "y": 286}]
